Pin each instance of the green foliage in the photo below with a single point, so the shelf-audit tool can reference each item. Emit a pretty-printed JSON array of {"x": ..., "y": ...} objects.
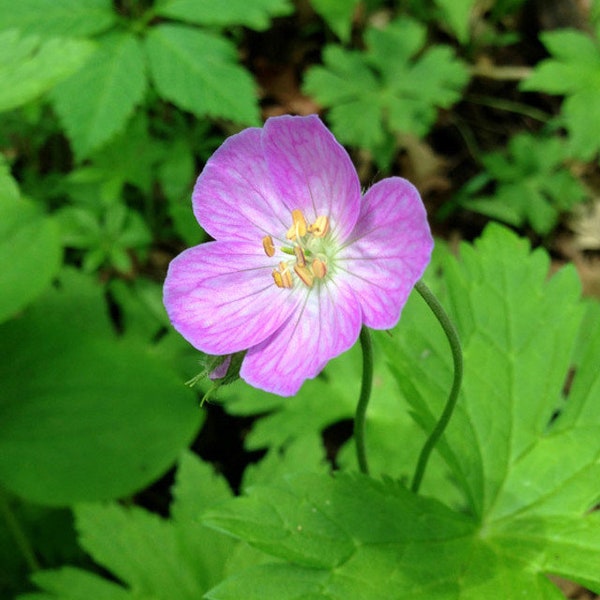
[
  {"x": 457, "y": 15},
  {"x": 30, "y": 66},
  {"x": 99, "y": 91},
  {"x": 256, "y": 14},
  {"x": 106, "y": 239},
  {"x": 68, "y": 18},
  {"x": 573, "y": 71},
  {"x": 529, "y": 479},
  {"x": 372, "y": 99},
  {"x": 198, "y": 85},
  {"x": 153, "y": 557},
  {"x": 109, "y": 110},
  {"x": 27, "y": 268},
  {"x": 532, "y": 184},
  {"x": 90, "y": 418},
  {"x": 96, "y": 102},
  {"x": 338, "y": 15}
]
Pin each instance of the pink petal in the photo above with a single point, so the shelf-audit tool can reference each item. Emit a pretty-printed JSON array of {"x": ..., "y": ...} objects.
[
  {"x": 233, "y": 198},
  {"x": 221, "y": 297},
  {"x": 312, "y": 171},
  {"x": 388, "y": 251},
  {"x": 324, "y": 325}
]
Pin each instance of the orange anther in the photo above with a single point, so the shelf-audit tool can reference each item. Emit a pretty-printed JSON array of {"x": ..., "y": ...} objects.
[
  {"x": 298, "y": 228},
  {"x": 305, "y": 275},
  {"x": 283, "y": 277},
  {"x": 320, "y": 227},
  {"x": 319, "y": 268},
  {"x": 268, "y": 245},
  {"x": 300, "y": 258}
]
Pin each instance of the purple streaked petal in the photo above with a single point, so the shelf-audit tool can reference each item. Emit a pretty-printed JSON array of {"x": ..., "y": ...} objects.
[
  {"x": 233, "y": 198},
  {"x": 323, "y": 326},
  {"x": 388, "y": 251},
  {"x": 312, "y": 171},
  {"x": 221, "y": 297}
]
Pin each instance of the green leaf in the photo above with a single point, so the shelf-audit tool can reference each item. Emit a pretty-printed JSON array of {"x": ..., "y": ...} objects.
[
  {"x": 85, "y": 416},
  {"x": 28, "y": 268},
  {"x": 198, "y": 72},
  {"x": 153, "y": 557},
  {"x": 29, "y": 66},
  {"x": 73, "y": 18},
  {"x": 573, "y": 71},
  {"x": 338, "y": 15},
  {"x": 532, "y": 184},
  {"x": 70, "y": 583},
  {"x": 256, "y": 15},
  {"x": 527, "y": 458},
  {"x": 95, "y": 103},
  {"x": 457, "y": 14},
  {"x": 373, "y": 99},
  {"x": 317, "y": 523}
]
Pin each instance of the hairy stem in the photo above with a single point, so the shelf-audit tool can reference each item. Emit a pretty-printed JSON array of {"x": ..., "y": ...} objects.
[
  {"x": 455, "y": 347},
  {"x": 363, "y": 400}
]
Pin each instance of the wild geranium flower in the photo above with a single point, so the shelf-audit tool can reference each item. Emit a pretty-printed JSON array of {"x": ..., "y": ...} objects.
[{"x": 300, "y": 260}]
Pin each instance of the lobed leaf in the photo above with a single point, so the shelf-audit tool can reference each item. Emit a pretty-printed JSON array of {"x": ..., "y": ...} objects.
[
  {"x": 256, "y": 14},
  {"x": 84, "y": 416},
  {"x": 28, "y": 269},
  {"x": 530, "y": 476},
  {"x": 337, "y": 15},
  {"x": 72, "y": 18},
  {"x": 198, "y": 72},
  {"x": 30, "y": 66},
  {"x": 372, "y": 99},
  {"x": 573, "y": 71},
  {"x": 457, "y": 15},
  {"x": 152, "y": 557},
  {"x": 95, "y": 103}
]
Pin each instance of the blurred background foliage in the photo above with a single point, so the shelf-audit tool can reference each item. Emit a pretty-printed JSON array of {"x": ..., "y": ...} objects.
[{"x": 108, "y": 111}]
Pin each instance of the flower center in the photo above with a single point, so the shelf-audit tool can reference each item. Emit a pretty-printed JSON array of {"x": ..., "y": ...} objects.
[{"x": 308, "y": 245}]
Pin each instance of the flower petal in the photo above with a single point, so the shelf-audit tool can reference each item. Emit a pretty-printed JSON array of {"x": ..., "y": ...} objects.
[
  {"x": 326, "y": 324},
  {"x": 233, "y": 198},
  {"x": 388, "y": 251},
  {"x": 221, "y": 297},
  {"x": 312, "y": 171}
]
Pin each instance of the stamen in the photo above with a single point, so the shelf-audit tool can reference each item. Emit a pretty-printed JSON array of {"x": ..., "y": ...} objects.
[
  {"x": 286, "y": 276},
  {"x": 300, "y": 258},
  {"x": 305, "y": 275},
  {"x": 319, "y": 268},
  {"x": 298, "y": 228},
  {"x": 320, "y": 227},
  {"x": 268, "y": 245},
  {"x": 283, "y": 277}
]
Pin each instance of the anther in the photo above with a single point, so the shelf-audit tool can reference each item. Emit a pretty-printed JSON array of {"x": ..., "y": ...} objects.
[
  {"x": 319, "y": 268},
  {"x": 320, "y": 227},
  {"x": 268, "y": 245},
  {"x": 300, "y": 258},
  {"x": 298, "y": 228},
  {"x": 305, "y": 275},
  {"x": 283, "y": 277}
]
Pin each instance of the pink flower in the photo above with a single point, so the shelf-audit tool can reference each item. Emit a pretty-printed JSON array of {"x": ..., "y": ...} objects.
[{"x": 300, "y": 261}]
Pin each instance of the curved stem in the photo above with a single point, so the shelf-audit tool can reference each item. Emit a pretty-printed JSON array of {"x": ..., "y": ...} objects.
[
  {"x": 454, "y": 342},
  {"x": 363, "y": 400}
]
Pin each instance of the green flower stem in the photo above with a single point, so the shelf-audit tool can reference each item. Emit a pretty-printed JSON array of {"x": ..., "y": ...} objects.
[
  {"x": 455, "y": 347},
  {"x": 363, "y": 400},
  {"x": 16, "y": 530}
]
